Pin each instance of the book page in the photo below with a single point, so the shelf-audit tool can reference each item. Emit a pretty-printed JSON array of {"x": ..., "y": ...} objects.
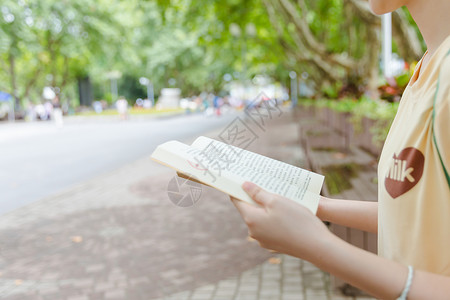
[
  {"x": 268, "y": 173},
  {"x": 225, "y": 168},
  {"x": 188, "y": 160}
]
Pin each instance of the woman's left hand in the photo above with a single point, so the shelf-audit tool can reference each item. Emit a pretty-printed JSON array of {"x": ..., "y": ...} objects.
[{"x": 282, "y": 225}]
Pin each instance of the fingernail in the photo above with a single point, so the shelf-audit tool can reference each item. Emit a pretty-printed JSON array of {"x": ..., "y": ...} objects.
[{"x": 247, "y": 186}]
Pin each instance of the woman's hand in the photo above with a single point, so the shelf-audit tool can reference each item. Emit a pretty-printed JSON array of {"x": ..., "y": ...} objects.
[{"x": 283, "y": 225}]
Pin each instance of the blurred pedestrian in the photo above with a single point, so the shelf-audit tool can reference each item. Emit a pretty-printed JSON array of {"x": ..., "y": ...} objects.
[
  {"x": 48, "y": 107},
  {"x": 147, "y": 104},
  {"x": 31, "y": 112},
  {"x": 217, "y": 103},
  {"x": 122, "y": 108},
  {"x": 139, "y": 103},
  {"x": 98, "y": 107},
  {"x": 57, "y": 112},
  {"x": 40, "y": 111}
]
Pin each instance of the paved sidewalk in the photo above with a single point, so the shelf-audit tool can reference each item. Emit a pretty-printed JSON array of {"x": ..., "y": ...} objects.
[
  {"x": 119, "y": 237},
  {"x": 281, "y": 277}
]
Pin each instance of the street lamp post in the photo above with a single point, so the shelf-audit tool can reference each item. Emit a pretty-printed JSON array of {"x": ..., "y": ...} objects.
[
  {"x": 386, "y": 24},
  {"x": 113, "y": 76},
  {"x": 150, "y": 93}
]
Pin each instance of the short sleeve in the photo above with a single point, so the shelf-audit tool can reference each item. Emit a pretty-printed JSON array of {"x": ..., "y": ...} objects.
[{"x": 442, "y": 114}]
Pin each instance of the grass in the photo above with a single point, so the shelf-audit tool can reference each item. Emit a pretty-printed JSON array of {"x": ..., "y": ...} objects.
[
  {"x": 325, "y": 149},
  {"x": 337, "y": 177}
]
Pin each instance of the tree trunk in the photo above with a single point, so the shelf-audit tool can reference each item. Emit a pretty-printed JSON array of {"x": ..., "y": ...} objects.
[
  {"x": 372, "y": 63},
  {"x": 405, "y": 35},
  {"x": 12, "y": 74},
  {"x": 310, "y": 42},
  {"x": 306, "y": 47},
  {"x": 302, "y": 50}
]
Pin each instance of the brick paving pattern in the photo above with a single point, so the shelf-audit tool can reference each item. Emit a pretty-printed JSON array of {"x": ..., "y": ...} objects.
[
  {"x": 119, "y": 237},
  {"x": 287, "y": 278}
]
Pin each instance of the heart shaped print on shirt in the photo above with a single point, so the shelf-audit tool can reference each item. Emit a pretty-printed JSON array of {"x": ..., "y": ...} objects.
[{"x": 404, "y": 172}]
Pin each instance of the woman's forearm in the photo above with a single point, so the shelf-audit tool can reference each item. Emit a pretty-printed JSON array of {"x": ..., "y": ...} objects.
[
  {"x": 361, "y": 215},
  {"x": 378, "y": 276}
]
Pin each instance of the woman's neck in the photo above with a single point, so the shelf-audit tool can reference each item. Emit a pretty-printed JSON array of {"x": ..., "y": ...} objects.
[{"x": 432, "y": 19}]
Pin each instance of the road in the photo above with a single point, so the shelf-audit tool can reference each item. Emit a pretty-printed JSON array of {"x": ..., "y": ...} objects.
[{"x": 38, "y": 159}]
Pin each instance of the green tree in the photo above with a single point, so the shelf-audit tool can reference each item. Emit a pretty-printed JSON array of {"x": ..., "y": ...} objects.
[{"x": 52, "y": 43}]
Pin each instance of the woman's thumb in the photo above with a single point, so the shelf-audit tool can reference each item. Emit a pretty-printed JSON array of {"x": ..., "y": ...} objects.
[{"x": 255, "y": 192}]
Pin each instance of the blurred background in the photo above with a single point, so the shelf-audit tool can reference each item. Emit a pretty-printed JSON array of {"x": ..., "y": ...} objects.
[
  {"x": 88, "y": 89},
  {"x": 87, "y": 51}
]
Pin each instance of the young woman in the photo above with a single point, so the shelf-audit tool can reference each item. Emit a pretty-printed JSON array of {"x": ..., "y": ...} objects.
[{"x": 412, "y": 216}]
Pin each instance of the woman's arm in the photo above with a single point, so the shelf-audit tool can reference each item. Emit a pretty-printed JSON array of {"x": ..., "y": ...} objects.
[
  {"x": 288, "y": 227},
  {"x": 378, "y": 276},
  {"x": 361, "y": 215}
]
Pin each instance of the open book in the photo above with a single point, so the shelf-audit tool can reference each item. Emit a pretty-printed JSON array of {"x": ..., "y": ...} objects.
[{"x": 227, "y": 167}]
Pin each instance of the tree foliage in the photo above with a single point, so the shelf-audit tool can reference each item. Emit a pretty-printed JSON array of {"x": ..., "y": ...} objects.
[{"x": 195, "y": 42}]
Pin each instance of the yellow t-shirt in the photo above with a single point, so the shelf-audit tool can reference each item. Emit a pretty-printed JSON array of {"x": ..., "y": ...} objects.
[{"x": 414, "y": 195}]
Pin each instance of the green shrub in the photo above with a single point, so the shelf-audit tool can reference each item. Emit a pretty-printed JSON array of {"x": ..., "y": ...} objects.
[{"x": 382, "y": 112}]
